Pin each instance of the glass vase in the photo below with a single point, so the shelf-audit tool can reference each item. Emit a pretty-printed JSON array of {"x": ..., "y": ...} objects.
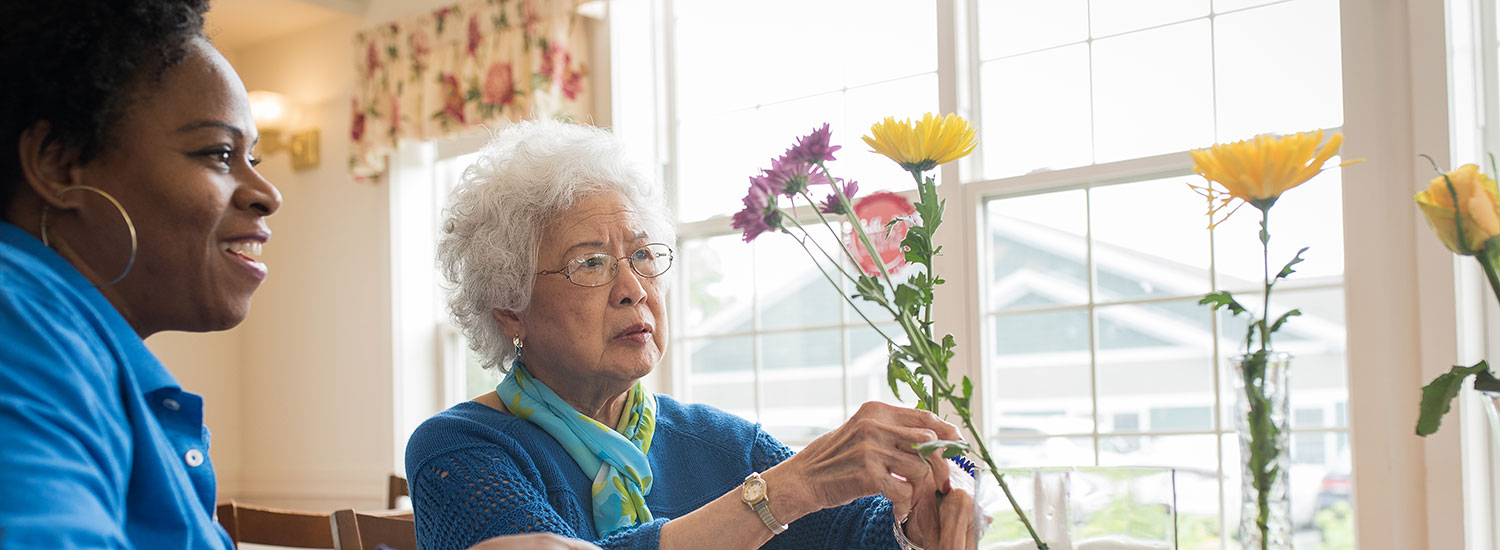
[
  {"x": 1084, "y": 508},
  {"x": 1260, "y": 420}
]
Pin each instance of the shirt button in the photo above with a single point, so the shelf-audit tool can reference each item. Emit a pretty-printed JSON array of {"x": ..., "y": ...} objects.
[
  {"x": 171, "y": 404},
  {"x": 194, "y": 457}
]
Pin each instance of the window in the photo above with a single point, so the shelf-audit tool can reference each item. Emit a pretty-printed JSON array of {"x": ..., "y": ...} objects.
[{"x": 1088, "y": 256}]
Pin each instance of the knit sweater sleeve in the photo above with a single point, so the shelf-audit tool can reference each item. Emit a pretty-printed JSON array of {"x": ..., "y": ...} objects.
[
  {"x": 468, "y": 495},
  {"x": 864, "y": 523}
]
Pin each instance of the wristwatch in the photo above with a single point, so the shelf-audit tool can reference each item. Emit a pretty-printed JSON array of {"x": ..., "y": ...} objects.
[{"x": 753, "y": 493}]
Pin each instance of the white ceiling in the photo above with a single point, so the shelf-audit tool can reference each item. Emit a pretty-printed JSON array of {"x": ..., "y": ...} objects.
[{"x": 234, "y": 24}]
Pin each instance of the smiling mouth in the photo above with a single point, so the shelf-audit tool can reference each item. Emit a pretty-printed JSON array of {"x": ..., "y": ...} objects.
[{"x": 246, "y": 252}]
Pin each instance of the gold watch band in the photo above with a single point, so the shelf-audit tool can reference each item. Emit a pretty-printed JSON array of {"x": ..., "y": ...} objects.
[{"x": 753, "y": 493}]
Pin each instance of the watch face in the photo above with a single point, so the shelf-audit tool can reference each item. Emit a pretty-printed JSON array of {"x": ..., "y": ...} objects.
[{"x": 754, "y": 491}]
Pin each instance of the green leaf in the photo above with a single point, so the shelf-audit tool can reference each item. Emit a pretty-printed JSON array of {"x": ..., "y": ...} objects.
[
  {"x": 895, "y": 371},
  {"x": 870, "y": 289},
  {"x": 968, "y": 388},
  {"x": 1287, "y": 269},
  {"x": 1282, "y": 319},
  {"x": 950, "y": 448},
  {"x": 1220, "y": 299},
  {"x": 908, "y": 298},
  {"x": 1437, "y": 397}
]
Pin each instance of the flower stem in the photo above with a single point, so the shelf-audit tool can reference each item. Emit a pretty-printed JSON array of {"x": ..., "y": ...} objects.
[
  {"x": 840, "y": 291},
  {"x": 1487, "y": 260}
]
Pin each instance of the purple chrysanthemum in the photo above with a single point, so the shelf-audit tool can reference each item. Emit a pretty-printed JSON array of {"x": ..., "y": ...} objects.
[
  {"x": 814, "y": 147},
  {"x": 832, "y": 204},
  {"x": 760, "y": 214},
  {"x": 789, "y": 176}
]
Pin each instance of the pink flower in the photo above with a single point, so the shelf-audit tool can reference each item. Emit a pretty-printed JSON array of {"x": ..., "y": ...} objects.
[
  {"x": 760, "y": 214},
  {"x": 474, "y": 35},
  {"x": 789, "y": 176},
  {"x": 357, "y": 128},
  {"x": 814, "y": 147},
  {"x": 453, "y": 99},
  {"x": 573, "y": 85},
  {"x": 421, "y": 47},
  {"x": 832, "y": 204},
  {"x": 555, "y": 60},
  {"x": 499, "y": 85},
  {"x": 372, "y": 60}
]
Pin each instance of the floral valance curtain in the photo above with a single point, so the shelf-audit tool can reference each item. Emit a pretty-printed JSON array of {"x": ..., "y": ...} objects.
[{"x": 482, "y": 62}]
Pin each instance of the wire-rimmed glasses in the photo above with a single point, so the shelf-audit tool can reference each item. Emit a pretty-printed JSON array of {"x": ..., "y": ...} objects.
[{"x": 598, "y": 268}]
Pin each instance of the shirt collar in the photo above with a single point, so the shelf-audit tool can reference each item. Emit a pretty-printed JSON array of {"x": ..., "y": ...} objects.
[{"x": 150, "y": 374}]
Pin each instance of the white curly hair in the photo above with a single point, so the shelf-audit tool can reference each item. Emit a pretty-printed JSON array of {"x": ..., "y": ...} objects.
[{"x": 529, "y": 174}]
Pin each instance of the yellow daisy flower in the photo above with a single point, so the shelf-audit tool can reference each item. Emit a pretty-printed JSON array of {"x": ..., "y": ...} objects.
[
  {"x": 1258, "y": 170},
  {"x": 924, "y": 145}
]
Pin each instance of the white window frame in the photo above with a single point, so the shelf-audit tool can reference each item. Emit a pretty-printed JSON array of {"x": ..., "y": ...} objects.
[{"x": 1396, "y": 80}]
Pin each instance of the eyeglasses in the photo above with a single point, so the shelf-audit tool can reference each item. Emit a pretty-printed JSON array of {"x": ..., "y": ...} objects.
[{"x": 598, "y": 269}]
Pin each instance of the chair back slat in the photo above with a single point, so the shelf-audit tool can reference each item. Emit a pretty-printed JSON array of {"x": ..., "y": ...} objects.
[
  {"x": 270, "y": 526},
  {"x": 393, "y": 530},
  {"x": 395, "y": 489}
]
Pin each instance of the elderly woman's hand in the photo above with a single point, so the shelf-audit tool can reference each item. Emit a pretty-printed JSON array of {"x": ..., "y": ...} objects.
[
  {"x": 945, "y": 523},
  {"x": 872, "y": 453},
  {"x": 536, "y": 541}
]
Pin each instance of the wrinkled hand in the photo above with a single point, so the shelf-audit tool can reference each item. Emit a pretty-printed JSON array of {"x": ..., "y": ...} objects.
[
  {"x": 536, "y": 541},
  {"x": 946, "y": 523},
  {"x": 869, "y": 454}
]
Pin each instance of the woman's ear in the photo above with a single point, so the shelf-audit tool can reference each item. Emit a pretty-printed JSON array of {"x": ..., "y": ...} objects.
[
  {"x": 510, "y": 323},
  {"x": 48, "y": 167}
]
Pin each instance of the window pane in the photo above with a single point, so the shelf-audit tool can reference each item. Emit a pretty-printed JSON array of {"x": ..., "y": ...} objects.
[
  {"x": 867, "y": 367},
  {"x": 1153, "y": 92},
  {"x": 885, "y": 39},
  {"x": 712, "y": 77},
  {"x": 718, "y": 284},
  {"x": 1107, "y": 17},
  {"x": 1317, "y": 341},
  {"x": 1221, "y": 6},
  {"x": 1195, "y": 458},
  {"x": 907, "y": 98},
  {"x": 1027, "y": 127},
  {"x": 1051, "y": 452},
  {"x": 1311, "y": 215},
  {"x": 1009, "y": 27},
  {"x": 720, "y": 371},
  {"x": 789, "y": 290},
  {"x": 1037, "y": 251},
  {"x": 801, "y": 380},
  {"x": 1156, "y": 360},
  {"x": 714, "y": 164},
  {"x": 1271, "y": 85},
  {"x": 1038, "y": 380},
  {"x": 1150, "y": 239}
]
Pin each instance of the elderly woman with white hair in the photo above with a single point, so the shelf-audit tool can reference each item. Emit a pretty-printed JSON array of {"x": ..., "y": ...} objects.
[{"x": 555, "y": 247}]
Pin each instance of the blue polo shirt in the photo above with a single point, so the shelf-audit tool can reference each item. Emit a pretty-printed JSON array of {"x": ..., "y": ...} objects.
[{"x": 99, "y": 446}]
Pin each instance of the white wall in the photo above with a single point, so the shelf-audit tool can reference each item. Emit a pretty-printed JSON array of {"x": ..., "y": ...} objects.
[{"x": 316, "y": 388}]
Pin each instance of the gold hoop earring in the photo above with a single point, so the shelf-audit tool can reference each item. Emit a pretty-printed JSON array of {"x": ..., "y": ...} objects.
[{"x": 123, "y": 214}]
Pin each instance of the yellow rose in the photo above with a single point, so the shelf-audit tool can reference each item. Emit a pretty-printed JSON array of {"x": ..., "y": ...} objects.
[{"x": 1474, "y": 215}]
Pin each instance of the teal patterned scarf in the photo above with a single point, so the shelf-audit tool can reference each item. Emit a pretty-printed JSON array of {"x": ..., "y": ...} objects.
[{"x": 616, "y": 458}]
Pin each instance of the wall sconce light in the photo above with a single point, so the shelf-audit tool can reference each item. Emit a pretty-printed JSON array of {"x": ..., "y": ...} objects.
[{"x": 277, "y": 117}]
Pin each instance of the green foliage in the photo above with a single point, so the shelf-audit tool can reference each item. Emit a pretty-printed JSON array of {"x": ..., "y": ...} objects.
[
  {"x": 1337, "y": 524},
  {"x": 1287, "y": 269},
  {"x": 1437, "y": 396},
  {"x": 1222, "y": 299}
]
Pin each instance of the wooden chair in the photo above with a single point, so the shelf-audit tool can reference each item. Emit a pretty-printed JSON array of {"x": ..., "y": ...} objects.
[
  {"x": 389, "y": 530},
  {"x": 258, "y": 525},
  {"x": 395, "y": 489}
]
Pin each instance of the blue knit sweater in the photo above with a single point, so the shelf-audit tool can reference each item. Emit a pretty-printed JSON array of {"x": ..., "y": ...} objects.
[{"x": 477, "y": 473}]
